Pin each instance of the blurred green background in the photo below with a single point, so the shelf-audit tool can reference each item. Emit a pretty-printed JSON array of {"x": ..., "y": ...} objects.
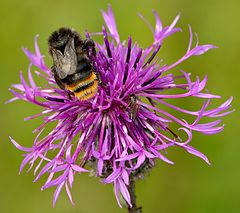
[{"x": 188, "y": 186}]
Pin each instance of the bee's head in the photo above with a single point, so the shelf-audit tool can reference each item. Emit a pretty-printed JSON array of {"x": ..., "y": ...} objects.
[{"x": 59, "y": 38}]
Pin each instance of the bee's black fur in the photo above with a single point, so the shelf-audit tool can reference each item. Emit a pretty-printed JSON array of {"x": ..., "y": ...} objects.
[{"x": 71, "y": 58}]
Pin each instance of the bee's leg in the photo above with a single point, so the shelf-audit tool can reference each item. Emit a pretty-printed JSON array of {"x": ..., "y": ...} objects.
[
  {"x": 69, "y": 96},
  {"x": 104, "y": 85},
  {"x": 59, "y": 82},
  {"x": 98, "y": 77},
  {"x": 89, "y": 44},
  {"x": 57, "y": 79}
]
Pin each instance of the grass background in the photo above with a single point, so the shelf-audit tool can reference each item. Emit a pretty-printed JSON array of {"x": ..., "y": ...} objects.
[{"x": 188, "y": 186}]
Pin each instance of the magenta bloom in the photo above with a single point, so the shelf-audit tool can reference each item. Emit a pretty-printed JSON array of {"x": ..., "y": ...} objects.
[{"x": 123, "y": 129}]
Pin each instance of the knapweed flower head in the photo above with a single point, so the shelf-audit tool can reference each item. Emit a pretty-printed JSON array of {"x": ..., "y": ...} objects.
[{"x": 122, "y": 130}]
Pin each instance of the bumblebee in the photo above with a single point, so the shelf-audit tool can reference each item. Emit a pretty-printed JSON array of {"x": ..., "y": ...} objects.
[{"x": 72, "y": 68}]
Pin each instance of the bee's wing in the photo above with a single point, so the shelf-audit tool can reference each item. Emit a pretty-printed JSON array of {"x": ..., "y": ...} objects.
[{"x": 65, "y": 64}]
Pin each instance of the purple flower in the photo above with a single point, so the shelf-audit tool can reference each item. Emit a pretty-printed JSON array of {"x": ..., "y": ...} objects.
[{"x": 121, "y": 131}]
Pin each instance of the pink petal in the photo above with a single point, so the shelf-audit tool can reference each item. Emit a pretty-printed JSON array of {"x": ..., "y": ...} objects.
[
  {"x": 124, "y": 192},
  {"x": 78, "y": 168},
  {"x": 110, "y": 23},
  {"x": 116, "y": 191},
  {"x": 57, "y": 192},
  {"x": 199, "y": 50},
  {"x": 128, "y": 157},
  {"x": 140, "y": 160},
  {"x": 115, "y": 174},
  {"x": 125, "y": 176},
  {"x": 19, "y": 146},
  {"x": 100, "y": 166},
  {"x": 70, "y": 177},
  {"x": 69, "y": 193}
]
